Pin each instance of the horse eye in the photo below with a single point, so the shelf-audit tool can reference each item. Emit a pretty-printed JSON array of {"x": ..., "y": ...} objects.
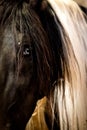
[{"x": 26, "y": 50}]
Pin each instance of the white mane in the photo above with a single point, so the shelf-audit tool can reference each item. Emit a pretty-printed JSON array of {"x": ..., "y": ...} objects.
[
  {"x": 72, "y": 107},
  {"x": 82, "y": 2}
]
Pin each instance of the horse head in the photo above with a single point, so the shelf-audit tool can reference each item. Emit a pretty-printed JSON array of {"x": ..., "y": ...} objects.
[{"x": 39, "y": 57}]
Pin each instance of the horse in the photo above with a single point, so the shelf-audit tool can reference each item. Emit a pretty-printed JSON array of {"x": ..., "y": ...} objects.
[{"x": 43, "y": 52}]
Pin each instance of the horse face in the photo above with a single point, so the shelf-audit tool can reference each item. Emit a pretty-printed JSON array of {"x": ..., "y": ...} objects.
[
  {"x": 16, "y": 75},
  {"x": 24, "y": 66}
]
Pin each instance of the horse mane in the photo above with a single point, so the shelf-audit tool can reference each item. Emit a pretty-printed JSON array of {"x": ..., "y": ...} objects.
[
  {"x": 82, "y": 3},
  {"x": 59, "y": 33},
  {"x": 70, "y": 94},
  {"x": 66, "y": 27}
]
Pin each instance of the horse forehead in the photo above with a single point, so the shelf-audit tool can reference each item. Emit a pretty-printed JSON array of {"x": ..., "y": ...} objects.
[
  {"x": 14, "y": 36},
  {"x": 8, "y": 37}
]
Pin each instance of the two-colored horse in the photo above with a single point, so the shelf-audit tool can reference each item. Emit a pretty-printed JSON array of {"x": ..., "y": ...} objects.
[{"x": 43, "y": 52}]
